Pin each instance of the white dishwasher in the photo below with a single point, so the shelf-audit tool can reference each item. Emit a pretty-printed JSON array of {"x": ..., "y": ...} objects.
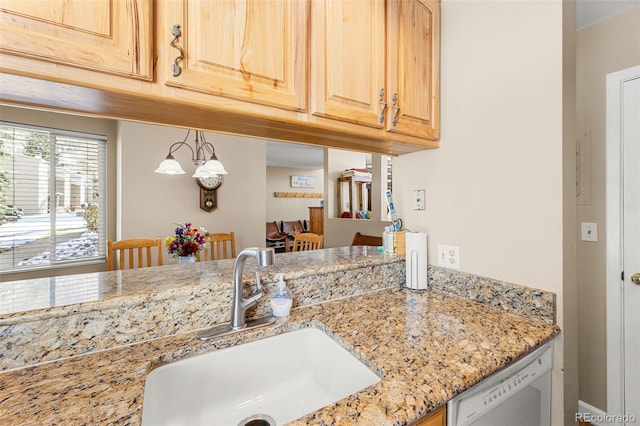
[{"x": 518, "y": 395}]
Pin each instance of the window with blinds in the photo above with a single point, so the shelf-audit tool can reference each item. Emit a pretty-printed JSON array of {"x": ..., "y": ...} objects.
[{"x": 52, "y": 197}]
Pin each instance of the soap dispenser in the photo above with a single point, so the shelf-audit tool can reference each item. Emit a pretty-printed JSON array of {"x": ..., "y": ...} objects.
[
  {"x": 388, "y": 240},
  {"x": 281, "y": 300}
]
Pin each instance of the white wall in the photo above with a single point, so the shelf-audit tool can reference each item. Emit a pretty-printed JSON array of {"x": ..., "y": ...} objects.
[
  {"x": 279, "y": 180},
  {"x": 495, "y": 186},
  {"x": 602, "y": 48},
  {"x": 150, "y": 204}
]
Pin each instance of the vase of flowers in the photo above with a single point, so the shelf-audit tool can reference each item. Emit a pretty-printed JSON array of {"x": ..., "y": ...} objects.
[
  {"x": 186, "y": 259},
  {"x": 187, "y": 241}
]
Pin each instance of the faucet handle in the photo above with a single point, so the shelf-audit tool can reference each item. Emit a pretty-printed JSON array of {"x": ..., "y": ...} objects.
[
  {"x": 246, "y": 303},
  {"x": 258, "y": 283}
]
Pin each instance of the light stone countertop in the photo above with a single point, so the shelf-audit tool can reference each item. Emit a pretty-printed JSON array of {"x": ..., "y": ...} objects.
[
  {"x": 19, "y": 300},
  {"x": 426, "y": 346}
]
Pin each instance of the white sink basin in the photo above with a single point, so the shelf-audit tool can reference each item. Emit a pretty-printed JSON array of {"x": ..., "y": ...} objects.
[{"x": 284, "y": 376}]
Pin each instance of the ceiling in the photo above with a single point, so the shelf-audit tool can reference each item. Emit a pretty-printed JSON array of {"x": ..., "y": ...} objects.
[
  {"x": 591, "y": 11},
  {"x": 281, "y": 154},
  {"x": 294, "y": 155}
]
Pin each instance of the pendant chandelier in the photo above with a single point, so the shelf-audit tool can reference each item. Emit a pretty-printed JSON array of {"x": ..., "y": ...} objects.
[{"x": 205, "y": 167}]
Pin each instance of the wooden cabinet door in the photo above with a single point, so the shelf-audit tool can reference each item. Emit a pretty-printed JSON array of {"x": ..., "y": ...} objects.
[
  {"x": 437, "y": 418},
  {"x": 348, "y": 62},
  {"x": 104, "y": 35},
  {"x": 251, "y": 50},
  {"x": 316, "y": 220},
  {"x": 414, "y": 67}
]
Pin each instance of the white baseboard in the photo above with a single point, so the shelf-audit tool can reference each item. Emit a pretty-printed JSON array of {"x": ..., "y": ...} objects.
[{"x": 591, "y": 413}]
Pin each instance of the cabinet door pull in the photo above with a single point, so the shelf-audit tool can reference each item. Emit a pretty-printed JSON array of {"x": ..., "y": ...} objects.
[
  {"x": 396, "y": 109},
  {"x": 384, "y": 106},
  {"x": 175, "y": 68}
]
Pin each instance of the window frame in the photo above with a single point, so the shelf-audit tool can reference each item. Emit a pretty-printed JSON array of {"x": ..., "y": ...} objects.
[{"x": 55, "y": 134}]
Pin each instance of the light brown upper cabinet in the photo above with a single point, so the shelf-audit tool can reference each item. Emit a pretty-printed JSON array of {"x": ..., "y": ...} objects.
[
  {"x": 376, "y": 63},
  {"x": 113, "y": 37},
  {"x": 413, "y": 57},
  {"x": 250, "y": 50},
  {"x": 348, "y": 61},
  {"x": 360, "y": 75}
]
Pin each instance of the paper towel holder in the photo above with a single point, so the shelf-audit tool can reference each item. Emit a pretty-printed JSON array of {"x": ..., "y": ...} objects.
[{"x": 416, "y": 261}]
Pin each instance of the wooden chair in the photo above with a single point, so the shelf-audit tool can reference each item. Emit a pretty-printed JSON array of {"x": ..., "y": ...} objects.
[
  {"x": 292, "y": 228},
  {"x": 133, "y": 253},
  {"x": 307, "y": 241},
  {"x": 221, "y": 246},
  {"x": 366, "y": 240}
]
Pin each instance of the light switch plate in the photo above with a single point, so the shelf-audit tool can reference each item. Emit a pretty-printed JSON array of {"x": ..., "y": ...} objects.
[
  {"x": 418, "y": 199},
  {"x": 589, "y": 231}
]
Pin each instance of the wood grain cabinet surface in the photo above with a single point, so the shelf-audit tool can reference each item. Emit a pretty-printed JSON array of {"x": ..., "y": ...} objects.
[
  {"x": 376, "y": 63},
  {"x": 357, "y": 75},
  {"x": 251, "y": 50},
  {"x": 113, "y": 37},
  {"x": 316, "y": 220},
  {"x": 347, "y": 66},
  {"x": 437, "y": 418},
  {"x": 413, "y": 55}
]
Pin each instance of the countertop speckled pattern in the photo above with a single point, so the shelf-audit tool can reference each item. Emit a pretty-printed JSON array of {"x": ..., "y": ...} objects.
[
  {"x": 426, "y": 346},
  {"x": 127, "y": 307},
  {"x": 84, "y": 292},
  {"x": 84, "y": 361}
]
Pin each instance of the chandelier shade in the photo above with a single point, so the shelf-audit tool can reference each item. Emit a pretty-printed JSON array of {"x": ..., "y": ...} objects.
[
  {"x": 169, "y": 166},
  {"x": 211, "y": 168},
  {"x": 203, "y": 149}
]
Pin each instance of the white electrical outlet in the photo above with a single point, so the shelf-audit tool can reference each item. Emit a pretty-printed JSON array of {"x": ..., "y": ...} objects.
[
  {"x": 589, "y": 231},
  {"x": 418, "y": 199},
  {"x": 448, "y": 256}
]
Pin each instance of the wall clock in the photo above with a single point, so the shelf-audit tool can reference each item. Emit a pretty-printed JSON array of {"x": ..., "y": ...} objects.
[{"x": 209, "y": 192}]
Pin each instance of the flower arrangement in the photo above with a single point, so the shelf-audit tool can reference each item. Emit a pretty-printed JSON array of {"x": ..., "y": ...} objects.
[{"x": 187, "y": 241}]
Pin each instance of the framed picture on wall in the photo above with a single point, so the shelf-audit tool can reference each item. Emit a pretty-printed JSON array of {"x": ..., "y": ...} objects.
[{"x": 303, "y": 181}]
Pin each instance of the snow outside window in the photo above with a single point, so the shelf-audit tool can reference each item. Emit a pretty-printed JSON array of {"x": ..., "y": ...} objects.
[{"x": 52, "y": 197}]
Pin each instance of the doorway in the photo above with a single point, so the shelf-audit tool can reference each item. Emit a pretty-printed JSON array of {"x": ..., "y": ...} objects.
[{"x": 623, "y": 245}]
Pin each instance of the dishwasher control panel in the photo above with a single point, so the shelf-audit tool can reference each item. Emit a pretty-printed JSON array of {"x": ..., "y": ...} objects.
[{"x": 510, "y": 385}]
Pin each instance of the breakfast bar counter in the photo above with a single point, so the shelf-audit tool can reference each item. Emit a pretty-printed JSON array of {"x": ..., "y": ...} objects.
[{"x": 426, "y": 346}]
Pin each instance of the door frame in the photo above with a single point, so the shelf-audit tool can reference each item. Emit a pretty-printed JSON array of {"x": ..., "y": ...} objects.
[{"x": 614, "y": 240}]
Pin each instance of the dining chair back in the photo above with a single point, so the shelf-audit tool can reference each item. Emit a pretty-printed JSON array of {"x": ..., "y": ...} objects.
[
  {"x": 220, "y": 246},
  {"x": 307, "y": 241},
  {"x": 366, "y": 240},
  {"x": 133, "y": 253}
]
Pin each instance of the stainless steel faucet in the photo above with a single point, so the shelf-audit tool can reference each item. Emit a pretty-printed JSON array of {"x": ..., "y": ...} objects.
[{"x": 239, "y": 306}]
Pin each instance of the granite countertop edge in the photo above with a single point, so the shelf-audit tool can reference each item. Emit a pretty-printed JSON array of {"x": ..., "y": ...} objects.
[
  {"x": 427, "y": 346},
  {"x": 207, "y": 276}
]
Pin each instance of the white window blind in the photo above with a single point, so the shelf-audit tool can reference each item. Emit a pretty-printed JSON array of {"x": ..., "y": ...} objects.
[{"x": 52, "y": 197}]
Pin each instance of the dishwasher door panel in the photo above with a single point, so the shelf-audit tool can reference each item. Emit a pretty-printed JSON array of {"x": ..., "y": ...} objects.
[{"x": 519, "y": 395}]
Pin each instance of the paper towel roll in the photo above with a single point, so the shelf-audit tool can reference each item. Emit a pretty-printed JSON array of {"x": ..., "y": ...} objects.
[{"x": 416, "y": 260}]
